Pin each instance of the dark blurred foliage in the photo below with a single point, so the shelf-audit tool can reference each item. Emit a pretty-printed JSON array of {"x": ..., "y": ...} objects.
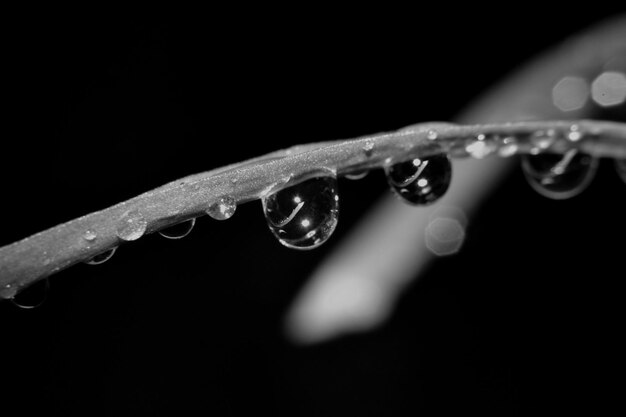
[{"x": 98, "y": 110}]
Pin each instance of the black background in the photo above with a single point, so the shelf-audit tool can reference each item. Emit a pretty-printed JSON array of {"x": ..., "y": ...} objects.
[{"x": 97, "y": 110}]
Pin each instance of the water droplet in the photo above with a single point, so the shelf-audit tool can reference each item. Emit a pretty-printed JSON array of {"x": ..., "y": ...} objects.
[
  {"x": 508, "y": 147},
  {"x": 131, "y": 226},
  {"x": 101, "y": 257},
  {"x": 368, "y": 148},
  {"x": 480, "y": 147},
  {"x": 420, "y": 180},
  {"x": 431, "y": 134},
  {"x": 559, "y": 176},
  {"x": 304, "y": 216},
  {"x": 8, "y": 291},
  {"x": 620, "y": 165},
  {"x": 223, "y": 208},
  {"x": 357, "y": 175},
  {"x": 179, "y": 230},
  {"x": 90, "y": 235},
  {"x": 541, "y": 140},
  {"x": 32, "y": 296},
  {"x": 574, "y": 133}
]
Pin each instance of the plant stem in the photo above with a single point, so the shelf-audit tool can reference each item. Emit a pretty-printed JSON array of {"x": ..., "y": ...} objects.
[{"x": 47, "y": 252}]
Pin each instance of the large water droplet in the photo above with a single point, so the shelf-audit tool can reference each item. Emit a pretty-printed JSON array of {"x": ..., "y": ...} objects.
[
  {"x": 32, "y": 296},
  {"x": 101, "y": 257},
  {"x": 620, "y": 165},
  {"x": 131, "y": 226},
  {"x": 420, "y": 180},
  {"x": 223, "y": 208},
  {"x": 304, "y": 216},
  {"x": 559, "y": 176},
  {"x": 179, "y": 230}
]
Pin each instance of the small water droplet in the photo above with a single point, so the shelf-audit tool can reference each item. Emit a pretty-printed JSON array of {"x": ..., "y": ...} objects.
[
  {"x": 432, "y": 134},
  {"x": 541, "y": 140},
  {"x": 559, "y": 176},
  {"x": 32, "y": 296},
  {"x": 8, "y": 291},
  {"x": 101, "y": 257},
  {"x": 131, "y": 226},
  {"x": 223, "y": 208},
  {"x": 357, "y": 175},
  {"x": 304, "y": 216},
  {"x": 90, "y": 235},
  {"x": 368, "y": 148},
  {"x": 420, "y": 181},
  {"x": 508, "y": 147},
  {"x": 479, "y": 147},
  {"x": 574, "y": 133},
  {"x": 179, "y": 230}
]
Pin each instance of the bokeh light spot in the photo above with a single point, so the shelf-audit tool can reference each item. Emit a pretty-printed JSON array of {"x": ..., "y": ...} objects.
[
  {"x": 609, "y": 89},
  {"x": 570, "y": 93}
]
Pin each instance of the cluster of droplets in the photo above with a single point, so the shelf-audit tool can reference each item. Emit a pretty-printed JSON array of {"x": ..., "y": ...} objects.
[
  {"x": 553, "y": 174},
  {"x": 304, "y": 215}
]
